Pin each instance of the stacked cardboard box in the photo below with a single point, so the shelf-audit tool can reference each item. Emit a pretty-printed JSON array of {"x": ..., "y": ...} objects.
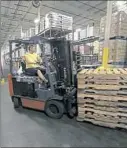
[
  {"x": 92, "y": 31},
  {"x": 118, "y": 44},
  {"x": 42, "y": 24},
  {"x": 118, "y": 25},
  {"x": 96, "y": 30},
  {"x": 117, "y": 50},
  {"x": 66, "y": 22},
  {"x": 102, "y": 97},
  {"x": 57, "y": 20},
  {"x": 83, "y": 34},
  {"x": 53, "y": 20}
]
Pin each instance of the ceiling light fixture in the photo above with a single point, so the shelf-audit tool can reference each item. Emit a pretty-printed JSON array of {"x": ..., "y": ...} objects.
[
  {"x": 77, "y": 30},
  {"x": 120, "y": 3},
  {"x": 121, "y": 6},
  {"x": 36, "y": 21}
]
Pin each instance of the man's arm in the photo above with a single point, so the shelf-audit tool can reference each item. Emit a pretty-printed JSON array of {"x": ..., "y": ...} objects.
[
  {"x": 23, "y": 59},
  {"x": 39, "y": 60}
]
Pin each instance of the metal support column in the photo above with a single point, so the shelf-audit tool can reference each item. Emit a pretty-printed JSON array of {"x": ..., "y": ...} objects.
[
  {"x": 39, "y": 17},
  {"x": 37, "y": 28},
  {"x": 74, "y": 72},
  {"x": 107, "y": 35},
  {"x": 10, "y": 56}
]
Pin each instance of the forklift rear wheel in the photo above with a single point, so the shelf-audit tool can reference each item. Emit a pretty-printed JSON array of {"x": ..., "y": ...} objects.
[
  {"x": 16, "y": 102},
  {"x": 54, "y": 109}
]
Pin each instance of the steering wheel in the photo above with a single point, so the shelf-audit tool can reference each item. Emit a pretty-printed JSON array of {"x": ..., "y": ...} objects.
[{"x": 41, "y": 64}]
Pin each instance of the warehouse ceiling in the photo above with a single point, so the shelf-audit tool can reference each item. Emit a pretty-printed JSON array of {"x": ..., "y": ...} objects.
[{"x": 15, "y": 14}]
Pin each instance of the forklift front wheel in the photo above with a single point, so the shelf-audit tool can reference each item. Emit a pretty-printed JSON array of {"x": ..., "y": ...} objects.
[
  {"x": 16, "y": 102},
  {"x": 54, "y": 109}
]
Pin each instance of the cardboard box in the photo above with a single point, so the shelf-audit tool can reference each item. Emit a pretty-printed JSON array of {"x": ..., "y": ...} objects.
[{"x": 118, "y": 25}]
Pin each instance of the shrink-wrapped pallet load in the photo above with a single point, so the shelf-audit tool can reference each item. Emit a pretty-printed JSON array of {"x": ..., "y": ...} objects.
[
  {"x": 117, "y": 50},
  {"x": 118, "y": 25},
  {"x": 57, "y": 20}
]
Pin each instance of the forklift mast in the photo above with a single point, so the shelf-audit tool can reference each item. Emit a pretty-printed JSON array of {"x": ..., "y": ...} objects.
[{"x": 62, "y": 60}]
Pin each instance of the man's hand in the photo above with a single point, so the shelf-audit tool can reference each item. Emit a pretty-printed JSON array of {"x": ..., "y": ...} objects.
[
  {"x": 32, "y": 63},
  {"x": 39, "y": 59},
  {"x": 43, "y": 67}
]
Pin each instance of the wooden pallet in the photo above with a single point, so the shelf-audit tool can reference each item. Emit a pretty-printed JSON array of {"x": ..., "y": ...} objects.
[
  {"x": 103, "y": 77},
  {"x": 103, "y": 123},
  {"x": 100, "y": 112},
  {"x": 103, "y": 118},
  {"x": 118, "y": 72},
  {"x": 119, "y": 103},
  {"x": 102, "y": 87},
  {"x": 105, "y": 92},
  {"x": 102, "y": 103},
  {"x": 114, "y": 109},
  {"x": 102, "y": 81},
  {"x": 103, "y": 97},
  {"x": 99, "y": 117}
]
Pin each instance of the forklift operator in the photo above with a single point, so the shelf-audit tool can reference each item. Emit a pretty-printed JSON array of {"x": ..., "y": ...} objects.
[{"x": 33, "y": 61}]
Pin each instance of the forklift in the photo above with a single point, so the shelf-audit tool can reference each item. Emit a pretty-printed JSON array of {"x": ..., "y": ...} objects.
[{"x": 56, "y": 98}]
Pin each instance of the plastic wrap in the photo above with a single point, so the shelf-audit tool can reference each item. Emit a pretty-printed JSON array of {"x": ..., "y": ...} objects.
[
  {"x": 117, "y": 50},
  {"x": 119, "y": 24},
  {"x": 58, "y": 20}
]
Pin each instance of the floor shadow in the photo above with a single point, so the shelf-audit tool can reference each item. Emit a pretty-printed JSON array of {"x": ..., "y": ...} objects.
[{"x": 40, "y": 116}]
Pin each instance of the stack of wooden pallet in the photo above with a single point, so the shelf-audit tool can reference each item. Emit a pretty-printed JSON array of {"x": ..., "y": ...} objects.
[{"x": 102, "y": 97}]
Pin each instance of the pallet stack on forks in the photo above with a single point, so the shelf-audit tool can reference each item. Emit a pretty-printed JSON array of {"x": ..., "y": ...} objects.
[{"x": 102, "y": 97}]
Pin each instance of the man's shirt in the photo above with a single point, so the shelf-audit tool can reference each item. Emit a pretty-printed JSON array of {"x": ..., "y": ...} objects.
[{"x": 31, "y": 60}]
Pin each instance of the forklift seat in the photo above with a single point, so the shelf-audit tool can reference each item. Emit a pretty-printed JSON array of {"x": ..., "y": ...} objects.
[
  {"x": 23, "y": 64},
  {"x": 29, "y": 76},
  {"x": 25, "y": 77}
]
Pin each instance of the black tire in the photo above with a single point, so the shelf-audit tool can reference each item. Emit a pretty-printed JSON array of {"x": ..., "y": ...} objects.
[
  {"x": 54, "y": 109},
  {"x": 16, "y": 102}
]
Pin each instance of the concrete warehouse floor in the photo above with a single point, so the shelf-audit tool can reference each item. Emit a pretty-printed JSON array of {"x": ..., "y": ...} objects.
[{"x": 32, "y": 128}]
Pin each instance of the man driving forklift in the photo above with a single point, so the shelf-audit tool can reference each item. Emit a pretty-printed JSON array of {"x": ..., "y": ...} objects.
[
  {"x": 33, "y": 61},
  {"x": 54, "y": 99}
]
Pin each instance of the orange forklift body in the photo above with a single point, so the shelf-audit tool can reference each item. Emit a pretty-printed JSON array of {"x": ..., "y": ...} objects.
[{"x": 26, "y": 102}]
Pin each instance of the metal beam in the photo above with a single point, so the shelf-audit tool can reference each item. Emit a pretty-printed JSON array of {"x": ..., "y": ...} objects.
[
  {"x": 21, "y": 5},
  {"x": 10, "y": 17},
  {"x": 79, "y": 15},
  {"x": 21, "y": 10},
  {"x": 93, "y": 7},
  {"x": 107, "y": 35}
]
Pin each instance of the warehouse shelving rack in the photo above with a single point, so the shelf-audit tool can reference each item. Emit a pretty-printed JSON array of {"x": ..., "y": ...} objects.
[
  {"x": 85, "y": 40},
  {"x": 79, "y": 57},
  {"x": 15, "y": 59},
  {"x": 54, "y": 32}
]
